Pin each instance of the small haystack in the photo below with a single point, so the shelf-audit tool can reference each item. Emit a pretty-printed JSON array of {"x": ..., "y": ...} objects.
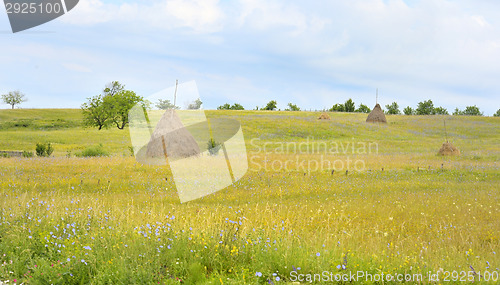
[
  {"x": 171, "y": 135},
  {"x": 376, "y": 115},
  {"x": 448, "y": 149},
  {"x": 324, "y": 116}
]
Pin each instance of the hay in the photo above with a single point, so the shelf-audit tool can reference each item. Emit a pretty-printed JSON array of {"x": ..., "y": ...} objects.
[
  {"x": 376, "y": 115},
  {"x": 448, "y": 149},
  {"x": 171, "y": 136},
  {"x": 324, "y": 116}
]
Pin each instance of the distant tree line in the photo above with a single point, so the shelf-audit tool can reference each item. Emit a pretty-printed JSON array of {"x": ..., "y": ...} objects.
[{"x": 423, "y": 108}]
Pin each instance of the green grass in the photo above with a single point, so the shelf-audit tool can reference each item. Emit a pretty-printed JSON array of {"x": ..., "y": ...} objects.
[{"x": 421, "y": 213}]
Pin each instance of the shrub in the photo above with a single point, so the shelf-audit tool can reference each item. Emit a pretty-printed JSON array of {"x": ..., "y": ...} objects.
[
  {"x": 497, "y": 114},
  {"x": 28, "y": 154},
  {"x": 93, "y": 151},
  {"x": 40, "y": 149},
  {"x": 213, "y": 147},
  {"x": 44, "y": 150}
]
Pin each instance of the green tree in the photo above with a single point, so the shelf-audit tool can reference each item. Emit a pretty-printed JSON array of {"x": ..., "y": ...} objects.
[
  {"x": 292, "y": 107},
  {"x": 14, "y": 98},
  {"x": 165, "y": 105},
  {"x": 96, "y": 113},
  {"x": 409, "y": 111},
  {"x": 469, "y": 111},
  {"x": 440, "y": 111},
  {"x": 112, "y": 88},
  {"x": 363, "y": 109},
  {"x": 195, "y": 105},
  {"x": 237, "y": 106},
  {"x": 120, "y": 104},
  {"x": 425, "y": 108},
  {"x": 497, "y": 114},
  {"x": 111, "y": 107},
  {"x": 224, "y": 107},
  {"x": 337, "y": 108},
  {"x": 349, "y": 106},
  {"x": 271, "y": 105},
  {"x": 393, "y": 109}
]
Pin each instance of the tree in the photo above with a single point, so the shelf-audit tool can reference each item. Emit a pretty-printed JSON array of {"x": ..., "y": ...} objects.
[
  {"x": 111, "y": 107},
  {"x": 14, "y": 98},
  {"x": 226, "y": 106},
  {"x": 409, "y": 111},
  {"x": 425, "y": 108},
  {"x": 469, "y": 111},
  {"x": 349, "y": 106},
  {"x": 337, "y": 108},
  {"x": 271, "y": 105},
  {"x": 96, "y": 113},
  {"x": 393, "y": 109},
  {"x": 165, "y": 105},
  {"x": 112, "y": 88},
  {"x": 292, "y": 107},
  {"x": 120, "y": 104},
  {"x": 497, "y": 114},
  {"x": 363, "y": 109},
  {"x": 440, "y": 111},
  {"x": 195, "y": 105},
  {"x": 237, "y": 106}
]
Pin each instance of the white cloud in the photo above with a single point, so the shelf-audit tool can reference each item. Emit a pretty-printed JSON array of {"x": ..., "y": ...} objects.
[{"x": 200, "y": 16}]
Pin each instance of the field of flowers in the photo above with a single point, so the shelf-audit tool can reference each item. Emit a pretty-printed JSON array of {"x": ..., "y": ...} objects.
[{"x": 111, "y": 220}]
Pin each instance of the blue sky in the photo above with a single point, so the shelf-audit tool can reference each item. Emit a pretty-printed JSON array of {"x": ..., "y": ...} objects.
[{"x": 311, "y": 53}]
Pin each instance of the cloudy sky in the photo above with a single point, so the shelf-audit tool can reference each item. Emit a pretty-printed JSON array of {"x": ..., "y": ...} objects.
[{"x": 311, "y": 53}]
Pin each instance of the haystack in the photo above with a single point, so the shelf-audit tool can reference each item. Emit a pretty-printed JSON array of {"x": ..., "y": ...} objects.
[
  {"x": 171, "y": 136},
  {"x": 376, "y": 115},
  {"x": 448, "y": 149},
  {"x": 324, "y": 116}
]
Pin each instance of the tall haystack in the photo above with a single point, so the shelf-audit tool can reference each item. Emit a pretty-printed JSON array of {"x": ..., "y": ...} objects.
[
  {"x": 448, "y": 149},
  {"x": 324, "y": 116},
  {"x": 376, "y": 115},
  {"x": 172, "y": 137}
]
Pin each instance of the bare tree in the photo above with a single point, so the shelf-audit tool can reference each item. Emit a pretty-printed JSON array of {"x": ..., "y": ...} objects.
[{"x": 14, "y": 98}]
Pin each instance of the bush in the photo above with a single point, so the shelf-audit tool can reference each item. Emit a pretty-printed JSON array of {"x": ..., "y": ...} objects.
[
  {"x": 497, "y": 114},
  {"x": 93, "y": 151},
  {"x": 213, "y": 147},
  {"x": 28, "y": 154},
  {"x": 44, "y": 150}
]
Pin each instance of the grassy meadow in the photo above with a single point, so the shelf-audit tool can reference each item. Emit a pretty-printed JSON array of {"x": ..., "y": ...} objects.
[{"x": 397, "y": 209}]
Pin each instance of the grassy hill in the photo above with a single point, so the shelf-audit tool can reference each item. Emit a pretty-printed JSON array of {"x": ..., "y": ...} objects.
[{"x": 477, "y": 137}]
